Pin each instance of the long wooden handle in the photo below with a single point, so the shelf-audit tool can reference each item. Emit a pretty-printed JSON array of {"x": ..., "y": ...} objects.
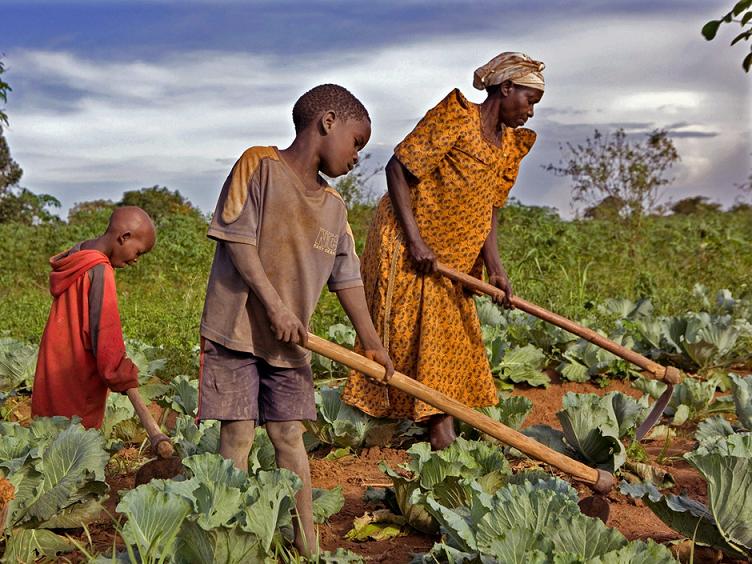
[
  {"x": 599, "y": 480},
  {"x": 658, "y": 371},
  {"x": 160, "y": 443}
]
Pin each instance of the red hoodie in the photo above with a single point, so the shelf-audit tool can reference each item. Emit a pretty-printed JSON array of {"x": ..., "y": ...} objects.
[{"x": 82, "y": 354}]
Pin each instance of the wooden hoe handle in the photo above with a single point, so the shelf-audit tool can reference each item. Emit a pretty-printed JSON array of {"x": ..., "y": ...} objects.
[
  {"x": 160, "y": 443},
  {"x": 600, "y": 480},
  {"x": 657, "y": 371}
]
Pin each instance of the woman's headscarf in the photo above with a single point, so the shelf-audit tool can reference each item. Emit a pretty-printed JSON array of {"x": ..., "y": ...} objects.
[{"x": 517, "y": 67}]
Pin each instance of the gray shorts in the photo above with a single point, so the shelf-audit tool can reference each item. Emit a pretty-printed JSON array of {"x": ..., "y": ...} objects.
[{"x": 238, "y": 386}]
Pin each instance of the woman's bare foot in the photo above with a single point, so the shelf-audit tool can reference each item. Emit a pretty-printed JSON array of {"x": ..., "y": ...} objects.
[{"x": 441, "y": 431}]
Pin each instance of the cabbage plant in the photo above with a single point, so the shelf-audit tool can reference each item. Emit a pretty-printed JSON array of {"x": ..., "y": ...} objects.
[
  {"x": 517, "y": 328},
  {"x": 216, "y": 514},
  {"x": 725, "y": 522},
  {"x": 341, "y": 425},
  {"x": 191, "y": 439},
  {"x": 583, "y": 360},
  {"x": 56, "y": 468},
  {"x": 593, "y": 428},
  {"x": 18, "y": 361},
  {"x": 510, "y": 411},
  {"x": 535, "y": 521},
  {"x": 692, "y": 399},
  {"x": 742, "y": 394},
  {"x": 717, "y": 428},
  {"x": 693, "y": 341},
  {"x": 442, "y": 472}
]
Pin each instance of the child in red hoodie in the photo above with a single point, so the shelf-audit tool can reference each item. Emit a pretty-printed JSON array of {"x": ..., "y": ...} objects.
[{"x": 82, "y": 354}]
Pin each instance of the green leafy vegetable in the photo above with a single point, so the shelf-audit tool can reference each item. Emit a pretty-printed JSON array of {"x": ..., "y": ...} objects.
[
  {"x": 342, "y": 425},
  {"x": 533, "y": 521},
  {"x": 18, "y": 361},
  {"x": 726, "y": 522},
  {"x": 510, "y": 411},
  {"x": 692, "y": 400},
  {"x": 56, "y": 468},
  {"x": 217, "y": 512},
  {"x": 182, "y": 395},
  {"x": 742, "y": 394},
  {"x": 593, "y": 427},
  {"x": 583, "y": 360},
  {"x": 327, "y": 503},
  {"x": 440, "y": 472}
]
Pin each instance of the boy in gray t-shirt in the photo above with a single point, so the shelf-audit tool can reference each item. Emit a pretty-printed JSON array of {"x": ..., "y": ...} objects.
[{"x": 282, "y": 233}]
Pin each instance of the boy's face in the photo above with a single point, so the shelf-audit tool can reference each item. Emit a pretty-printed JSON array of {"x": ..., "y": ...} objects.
[
  {"x": 130, "y": 246},
  {"x": 339, "y": 151}
]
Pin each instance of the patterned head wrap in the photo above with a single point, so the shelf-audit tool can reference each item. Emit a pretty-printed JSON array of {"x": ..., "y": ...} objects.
[{"x": 517, "y": 67}]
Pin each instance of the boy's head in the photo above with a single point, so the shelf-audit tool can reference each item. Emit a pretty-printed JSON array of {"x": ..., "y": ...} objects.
[
  {"x": 131, "y": 233},
  {"x": 340, "y": 123}
]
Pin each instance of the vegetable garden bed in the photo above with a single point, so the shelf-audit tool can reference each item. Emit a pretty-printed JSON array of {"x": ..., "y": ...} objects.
[{"x": 383, "y": 496}]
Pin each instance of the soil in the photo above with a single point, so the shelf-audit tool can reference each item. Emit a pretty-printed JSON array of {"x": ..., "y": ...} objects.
[{"x": 355, "y": 473}]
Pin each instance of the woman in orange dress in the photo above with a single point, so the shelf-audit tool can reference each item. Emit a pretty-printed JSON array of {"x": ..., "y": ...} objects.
[{"x": 446, "y": 181}]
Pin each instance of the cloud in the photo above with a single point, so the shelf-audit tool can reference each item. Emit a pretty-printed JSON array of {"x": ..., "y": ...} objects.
[{"x": 87, "y": 126}]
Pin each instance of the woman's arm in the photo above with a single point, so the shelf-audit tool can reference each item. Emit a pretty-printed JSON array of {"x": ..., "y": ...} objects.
[
  {"x": 399, "y": 193},
  {"x": 497, "y": 274}
]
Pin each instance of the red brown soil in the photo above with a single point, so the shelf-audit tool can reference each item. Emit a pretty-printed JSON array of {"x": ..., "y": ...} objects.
[
  {"x": 356, "y": 473},
  {"x": 630, "y": 517}
]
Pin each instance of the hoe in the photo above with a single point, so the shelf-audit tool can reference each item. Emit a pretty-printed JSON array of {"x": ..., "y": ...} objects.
[{"x": 600, "y": 481}]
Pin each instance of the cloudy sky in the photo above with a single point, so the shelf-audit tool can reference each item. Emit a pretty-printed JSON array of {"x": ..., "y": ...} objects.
[{"x": 111, "y": 96}]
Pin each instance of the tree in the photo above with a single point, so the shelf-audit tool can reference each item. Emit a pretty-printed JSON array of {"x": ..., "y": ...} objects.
[
  {"x": 741, "y": 13},
  {"x": 83, "y": 213},
  {"x": 694, "y": 205},
  {"x": 609, "y": 209},
  {"x": 610, "y": 168},
  {"x": 17, "y": 203},
  {"x": 159, "y": 202},
  {"x": 4, "y": 89}
]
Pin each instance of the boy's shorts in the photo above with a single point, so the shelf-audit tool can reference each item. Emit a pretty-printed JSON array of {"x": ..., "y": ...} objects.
[{"x": 238, "y": 386}]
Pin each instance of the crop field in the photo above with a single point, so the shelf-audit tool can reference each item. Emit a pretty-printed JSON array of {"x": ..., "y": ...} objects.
[{"x": 676, "y": 291}]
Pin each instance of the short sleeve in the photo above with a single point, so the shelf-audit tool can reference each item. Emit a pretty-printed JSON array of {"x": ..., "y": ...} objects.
[
  {"x": 346, "y": 269},
  {"x": 236, "y": 217},
  {"x": 521, "y": 141},
  {"x": 424, "y": 147}
]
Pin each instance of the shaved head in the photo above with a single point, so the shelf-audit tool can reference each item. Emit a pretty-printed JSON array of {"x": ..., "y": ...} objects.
[
  {"x": 132, "y": 234},
  {"x": 133, "y": 219}
]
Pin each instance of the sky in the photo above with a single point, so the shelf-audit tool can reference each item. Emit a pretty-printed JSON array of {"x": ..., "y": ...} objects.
[{"x": 110, "y": 96}]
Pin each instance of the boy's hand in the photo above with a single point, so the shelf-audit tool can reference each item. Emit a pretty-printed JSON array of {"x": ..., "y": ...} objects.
[
  {"x": 382, "y": 357},
  {"x": 287, "y": 327},
  {"x": 501, "y": 281}
]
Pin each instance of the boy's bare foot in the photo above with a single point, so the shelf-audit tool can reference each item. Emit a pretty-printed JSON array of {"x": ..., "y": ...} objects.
[{"x": 441, "y": 431}]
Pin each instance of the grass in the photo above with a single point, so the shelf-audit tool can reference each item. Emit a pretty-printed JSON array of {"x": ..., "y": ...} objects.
[{"x": 566, "y": 266}]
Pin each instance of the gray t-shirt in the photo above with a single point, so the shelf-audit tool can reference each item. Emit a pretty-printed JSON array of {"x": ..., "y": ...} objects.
[{"x": 303, "y": 239}]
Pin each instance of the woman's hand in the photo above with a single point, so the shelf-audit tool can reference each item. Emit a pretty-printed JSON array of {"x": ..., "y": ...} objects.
[
  {"x": 424, "y": 257},
  {"x": 382, "y": 357},
  {"x": 501, "y": 281}
]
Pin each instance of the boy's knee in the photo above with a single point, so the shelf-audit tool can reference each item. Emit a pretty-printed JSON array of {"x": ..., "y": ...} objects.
[
  {"x": 285, "y": 434},
  {"x": 237, "y": 434}
]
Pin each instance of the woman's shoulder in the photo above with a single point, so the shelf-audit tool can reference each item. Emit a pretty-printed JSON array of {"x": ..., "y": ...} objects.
[
  {"x": 522, "y": 140},
  {"x": 454, "y": 103}
]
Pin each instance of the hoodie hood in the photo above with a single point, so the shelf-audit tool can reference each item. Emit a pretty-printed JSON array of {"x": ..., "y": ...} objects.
[{"x": 69, "y": 266}]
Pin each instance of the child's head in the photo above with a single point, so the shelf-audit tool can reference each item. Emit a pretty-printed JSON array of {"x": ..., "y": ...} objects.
[
  {"x": 338, "y": 121},
  {"x": 131, "y": 233}
]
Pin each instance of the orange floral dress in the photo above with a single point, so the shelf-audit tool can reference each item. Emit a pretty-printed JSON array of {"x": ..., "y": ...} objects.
[{"x": 427, "y": 323}]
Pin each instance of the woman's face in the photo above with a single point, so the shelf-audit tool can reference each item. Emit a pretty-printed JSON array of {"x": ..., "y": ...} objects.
[{"x": 517, "y": 104}]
